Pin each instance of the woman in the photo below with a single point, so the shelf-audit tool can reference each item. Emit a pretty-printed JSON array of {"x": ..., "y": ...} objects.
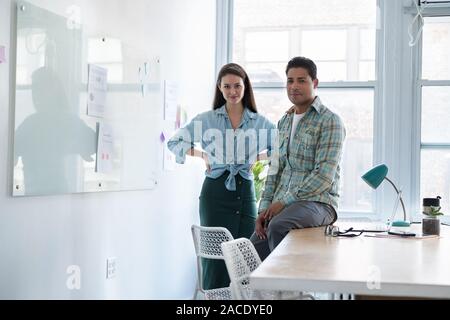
[{"x": 232, "y": 136}]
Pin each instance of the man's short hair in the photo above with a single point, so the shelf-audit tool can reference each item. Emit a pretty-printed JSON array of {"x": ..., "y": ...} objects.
[{"x": 305, "y": 63}]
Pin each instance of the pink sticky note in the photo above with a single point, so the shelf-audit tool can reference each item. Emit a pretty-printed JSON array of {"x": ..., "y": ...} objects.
[{"x": 2, "y": 54}]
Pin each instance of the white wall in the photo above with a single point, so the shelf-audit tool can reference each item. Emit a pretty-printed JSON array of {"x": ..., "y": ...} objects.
[{"x": 148, "y": 231}]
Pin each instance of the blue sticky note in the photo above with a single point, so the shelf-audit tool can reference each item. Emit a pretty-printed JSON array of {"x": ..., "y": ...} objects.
[
  {"x": 2, "y": 54},
  {"x": 162, "y": 137}
]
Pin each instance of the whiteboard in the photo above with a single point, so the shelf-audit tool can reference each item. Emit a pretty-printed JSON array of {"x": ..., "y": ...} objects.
[{"x": 55, "y": 141}]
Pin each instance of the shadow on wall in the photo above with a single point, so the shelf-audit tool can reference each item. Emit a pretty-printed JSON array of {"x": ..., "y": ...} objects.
[{"x": 50, "y": 140}]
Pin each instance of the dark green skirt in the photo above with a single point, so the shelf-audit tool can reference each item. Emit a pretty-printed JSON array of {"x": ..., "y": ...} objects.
[{"x": 234, "y": 210}]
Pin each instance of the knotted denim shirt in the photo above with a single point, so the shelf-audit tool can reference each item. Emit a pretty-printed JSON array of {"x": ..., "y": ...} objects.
[{"x": 227, "y": 149}]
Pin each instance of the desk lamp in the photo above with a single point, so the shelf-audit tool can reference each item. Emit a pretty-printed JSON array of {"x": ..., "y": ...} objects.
[{"x": 374, "y": 177}]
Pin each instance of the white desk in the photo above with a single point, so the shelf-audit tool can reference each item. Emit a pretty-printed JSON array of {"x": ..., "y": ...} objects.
[{"x": 307, "y": 260}]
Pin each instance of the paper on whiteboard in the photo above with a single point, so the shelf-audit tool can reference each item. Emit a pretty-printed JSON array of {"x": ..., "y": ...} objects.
[
  {"x": 105, "y": 148},
  {"x": 97, "y": 88},
  {"x": 169, "y": 157},
  {"x": 170, "y": 100}
]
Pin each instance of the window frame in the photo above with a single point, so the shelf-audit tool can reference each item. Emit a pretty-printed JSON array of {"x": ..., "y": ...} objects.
[{"x": 430, "y": 10}]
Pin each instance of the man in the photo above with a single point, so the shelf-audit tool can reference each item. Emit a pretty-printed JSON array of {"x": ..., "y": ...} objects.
[{"x": 302, "y": 192}]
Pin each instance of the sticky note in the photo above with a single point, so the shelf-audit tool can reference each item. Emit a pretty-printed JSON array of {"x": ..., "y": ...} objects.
[
  {"x": 162, "y": 137},
  {"x": 2, "y": 54}
]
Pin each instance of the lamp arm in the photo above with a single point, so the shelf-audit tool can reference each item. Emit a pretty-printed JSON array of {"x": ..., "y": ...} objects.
[{"x": 401, "y": 199}]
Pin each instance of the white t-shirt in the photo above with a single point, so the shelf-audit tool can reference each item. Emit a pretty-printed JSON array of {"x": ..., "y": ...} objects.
[{"x": 295, "y": 121}]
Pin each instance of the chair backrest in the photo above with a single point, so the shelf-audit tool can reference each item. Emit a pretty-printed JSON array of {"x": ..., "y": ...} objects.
[
  {"x": 207, "y": 241},
  {"x": 241, "y": 259}
]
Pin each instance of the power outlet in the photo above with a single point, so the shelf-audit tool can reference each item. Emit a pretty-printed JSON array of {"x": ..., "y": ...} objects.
[{"x": 111, "y": 267}]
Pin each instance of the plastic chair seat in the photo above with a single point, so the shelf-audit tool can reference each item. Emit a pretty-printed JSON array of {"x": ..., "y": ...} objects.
[{"x": 218, "y": 294}]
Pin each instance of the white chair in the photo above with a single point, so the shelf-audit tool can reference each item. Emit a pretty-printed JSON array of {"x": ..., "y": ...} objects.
[
  {"x": 207, "y": 241},
  {"x": 241, "y": 259}
]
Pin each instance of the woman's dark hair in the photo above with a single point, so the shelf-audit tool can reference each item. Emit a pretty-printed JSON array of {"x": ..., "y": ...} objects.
[
  {"x": 305, "y": 63},
  {"x": 248, "y": 100}
]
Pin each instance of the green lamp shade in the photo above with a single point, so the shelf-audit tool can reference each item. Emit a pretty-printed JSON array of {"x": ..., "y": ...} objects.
[{"x": 375, "y": 176}]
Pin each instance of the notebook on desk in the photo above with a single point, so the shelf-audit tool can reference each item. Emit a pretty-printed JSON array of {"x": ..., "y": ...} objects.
[{"x": 386, "y": 235}]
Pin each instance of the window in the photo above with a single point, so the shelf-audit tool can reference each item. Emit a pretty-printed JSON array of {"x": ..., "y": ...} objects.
[
  {"x": 340, "y": 37},
  {"x": 435, "y": 117}
]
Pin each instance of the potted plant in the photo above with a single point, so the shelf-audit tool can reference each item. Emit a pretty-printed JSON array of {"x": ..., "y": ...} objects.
[
  {"x": 431, "y": 224},
  {"x": 260, "y": 174}
]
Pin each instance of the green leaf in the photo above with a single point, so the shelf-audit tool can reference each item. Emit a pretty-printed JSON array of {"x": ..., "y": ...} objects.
[
  {"x": 435, "y": 211},
  {"x": 259, "y": 183}
]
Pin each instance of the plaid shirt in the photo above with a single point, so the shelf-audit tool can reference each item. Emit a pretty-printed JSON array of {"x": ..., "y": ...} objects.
[{"x": 310, "y": 169}]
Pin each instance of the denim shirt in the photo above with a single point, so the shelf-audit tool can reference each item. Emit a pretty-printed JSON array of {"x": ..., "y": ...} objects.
[{"x": 227, "y": 149}]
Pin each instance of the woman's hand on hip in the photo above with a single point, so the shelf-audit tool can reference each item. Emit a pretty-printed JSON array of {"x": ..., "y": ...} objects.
[{"x": 205, "y": 158}]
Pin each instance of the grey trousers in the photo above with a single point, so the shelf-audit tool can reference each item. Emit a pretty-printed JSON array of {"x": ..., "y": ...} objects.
[{"x": 299, "y": 215}]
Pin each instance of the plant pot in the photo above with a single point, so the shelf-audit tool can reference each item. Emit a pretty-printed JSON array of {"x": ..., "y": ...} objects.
[{"x": 431, "y": 226}]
